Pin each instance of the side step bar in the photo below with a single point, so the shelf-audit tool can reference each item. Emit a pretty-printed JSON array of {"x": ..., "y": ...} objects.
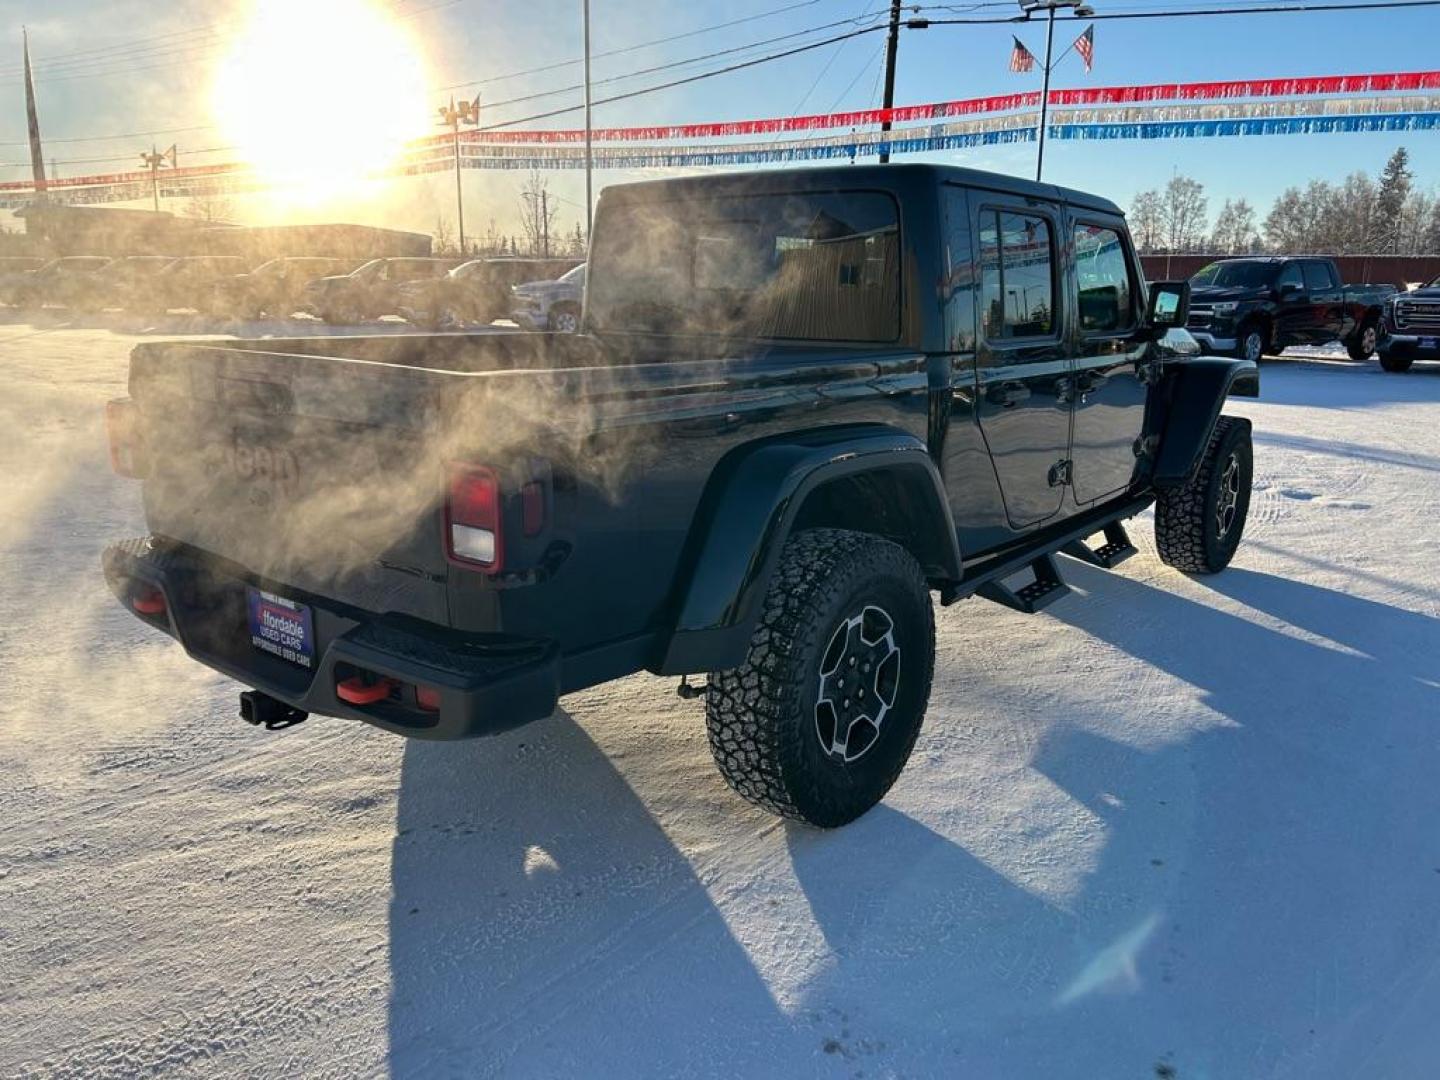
[
  {"x": 1047, "y": 587},
  {"x": 1116, "y": 549}
]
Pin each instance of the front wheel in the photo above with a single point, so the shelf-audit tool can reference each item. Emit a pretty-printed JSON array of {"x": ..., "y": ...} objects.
[
  {"x": 1397, "y": 364},
  {"x": 1198, "y": 526},
  {"x": 819, "y": 720},
  {"x": 565, "y": 319},
  {"x": 1251, "y": 342},
  {"x": 1362, "y": 345}
]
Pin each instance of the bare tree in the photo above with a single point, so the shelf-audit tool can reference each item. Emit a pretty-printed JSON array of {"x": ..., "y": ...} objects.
[
  {"x": 444, "y": 238},
  {"x": 1183, "y": 213},
  {"x": 210, "y": 207},
  {"x": 1235, "y": 232},
  {"x": 1145, "y": 220},
  {"x": 538, "y": 211}
]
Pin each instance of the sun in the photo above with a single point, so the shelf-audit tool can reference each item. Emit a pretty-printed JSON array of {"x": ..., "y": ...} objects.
[{"x": 321, "y": 96}]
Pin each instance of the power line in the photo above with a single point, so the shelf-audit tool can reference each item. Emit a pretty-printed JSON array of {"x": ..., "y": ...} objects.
[
  {"x": 668, "y": 66},
  {"x": 633, "y": 48},
  {"x": 1287, "y": 9}
]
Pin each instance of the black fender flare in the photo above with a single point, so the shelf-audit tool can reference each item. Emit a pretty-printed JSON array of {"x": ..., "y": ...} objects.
[
  {"x": 1198, "y": 387},
  {"x": 748, "y": 511}
]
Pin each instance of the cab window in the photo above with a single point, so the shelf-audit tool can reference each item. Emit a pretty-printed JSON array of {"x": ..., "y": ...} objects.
[
  {"x": 1290, "y": 276},
  {"x": 1017, "y": 276},
  {"x": 1317, "y": 277},
  {"x": 1103, "y": 273}
]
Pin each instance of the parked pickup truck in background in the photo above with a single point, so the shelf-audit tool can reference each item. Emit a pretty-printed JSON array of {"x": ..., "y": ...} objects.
[
  {"x": 801, "y": 402},
  {"x": 550, "y": 305},
  {"x": 1411, "y": 330},
  {"x": 1252, "y": 306},
  {"x": 370, "y": 290}
]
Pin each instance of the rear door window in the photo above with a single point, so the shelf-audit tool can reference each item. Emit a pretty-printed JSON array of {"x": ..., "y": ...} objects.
[
  {"x": 1017, "y": 275},
  {"x": 1317, "y": 277},
  {"x": 1102, "y": 271}
]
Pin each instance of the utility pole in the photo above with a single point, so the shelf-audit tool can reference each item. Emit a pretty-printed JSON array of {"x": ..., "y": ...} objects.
[
  {"x": 155, "y": 161},
  {"x": 37, "y": 154},
  {"x": 892, "y": 46},
  {"x": 467, "y": 112},
  {"x": 1030, "y": 7},
  {"x": 589, "y": 152},
  {"x": 545, "y": 222}
]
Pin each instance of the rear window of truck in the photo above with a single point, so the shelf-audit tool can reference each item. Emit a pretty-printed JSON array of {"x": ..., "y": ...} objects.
[{"x": 819, "y": 266}]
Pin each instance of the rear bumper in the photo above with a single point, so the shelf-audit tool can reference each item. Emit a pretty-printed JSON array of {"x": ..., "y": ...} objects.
[
  {"x": 1410, "y": 345},
  {"x": 487, "y": 683}
]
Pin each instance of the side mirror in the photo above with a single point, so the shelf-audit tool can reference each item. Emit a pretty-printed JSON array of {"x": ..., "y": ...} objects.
[{"x": 1168, "y": 306}]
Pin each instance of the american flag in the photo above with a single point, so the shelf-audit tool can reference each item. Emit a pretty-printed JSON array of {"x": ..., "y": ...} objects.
[
  {"x": 1085, "y": 46},
  {"x": 1021, "y": 58}
]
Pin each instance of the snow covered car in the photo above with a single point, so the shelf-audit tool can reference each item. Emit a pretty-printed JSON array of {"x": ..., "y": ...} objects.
[
  {"x": 1411, "y": 328},
  {"x": 802, "y": 402},
  {"x": 550, "y": 305}
]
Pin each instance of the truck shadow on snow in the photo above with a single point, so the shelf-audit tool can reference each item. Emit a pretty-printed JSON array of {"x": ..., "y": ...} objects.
[{"x": 542, "y": 922}]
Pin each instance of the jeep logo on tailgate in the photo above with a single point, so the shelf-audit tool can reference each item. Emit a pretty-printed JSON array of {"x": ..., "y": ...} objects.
[{"x": 275, "y": 467}]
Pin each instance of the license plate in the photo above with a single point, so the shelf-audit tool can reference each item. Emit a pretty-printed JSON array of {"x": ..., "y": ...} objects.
[
  {"x": 281, "y": 627},
  {"x": 1430, "y": 343}
]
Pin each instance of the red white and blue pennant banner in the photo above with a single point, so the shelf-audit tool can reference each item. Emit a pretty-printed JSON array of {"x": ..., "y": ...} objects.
[{"x": 1158, "y": 111}]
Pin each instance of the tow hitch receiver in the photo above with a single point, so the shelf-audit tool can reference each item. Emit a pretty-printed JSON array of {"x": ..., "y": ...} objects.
[{"x": 262, "y": 710}]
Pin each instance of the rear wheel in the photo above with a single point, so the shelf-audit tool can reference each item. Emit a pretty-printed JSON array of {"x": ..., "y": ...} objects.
[
  {"x": 819, "y": 720},
  {"x": 1362, "y": 345},
  {"x": 1198, "y": 526}
]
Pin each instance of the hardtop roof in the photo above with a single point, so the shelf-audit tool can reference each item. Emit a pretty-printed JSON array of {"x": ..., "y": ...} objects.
[{"x": 854, "y": 177}]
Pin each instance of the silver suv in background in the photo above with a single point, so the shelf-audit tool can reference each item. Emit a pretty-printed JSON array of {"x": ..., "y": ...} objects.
[{"x": 550, "y": 305}]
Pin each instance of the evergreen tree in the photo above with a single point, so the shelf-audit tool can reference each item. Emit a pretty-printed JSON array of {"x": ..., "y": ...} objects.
[{"x": 1390, "y": 203}]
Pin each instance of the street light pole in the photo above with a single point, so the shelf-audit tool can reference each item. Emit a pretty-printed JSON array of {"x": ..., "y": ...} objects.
[
  {"x": 1030, "y": 7},
  {"x": 154, "y": 161},
  {"x": 467, "y": 112},
  {"x": 1045, "y": 93}
]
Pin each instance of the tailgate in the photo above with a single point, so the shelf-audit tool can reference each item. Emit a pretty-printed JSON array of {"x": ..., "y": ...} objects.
[{"x": 317, "y": 473}]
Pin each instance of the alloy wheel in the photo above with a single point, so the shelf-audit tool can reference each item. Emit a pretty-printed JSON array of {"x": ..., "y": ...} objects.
[
  {"x": 859, "y": 681},
  {"x": 1227, "y": 500}
]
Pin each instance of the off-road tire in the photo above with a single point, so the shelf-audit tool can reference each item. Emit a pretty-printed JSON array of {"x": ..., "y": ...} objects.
[
  {"x": 1397, "y": 364},
  {"x": 1188, "y": 533},
  {"x": 761, "y": 717},
  {"x": 1245, "y": 348},
  {"x": 1367, "y": 336}
]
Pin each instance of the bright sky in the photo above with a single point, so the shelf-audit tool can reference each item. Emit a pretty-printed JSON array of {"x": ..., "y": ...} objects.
[{"x": 170, "y": 86}]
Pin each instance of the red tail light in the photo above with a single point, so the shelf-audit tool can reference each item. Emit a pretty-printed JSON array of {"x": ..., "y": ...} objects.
[
  {"x": 473, "y": 533},
  {"x": 127, "y": 450}
]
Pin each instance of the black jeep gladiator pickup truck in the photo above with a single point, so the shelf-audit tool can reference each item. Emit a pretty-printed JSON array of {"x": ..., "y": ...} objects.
[
  {"x": 802, "y": 402},
  {"x": 1252, "y": 306}
]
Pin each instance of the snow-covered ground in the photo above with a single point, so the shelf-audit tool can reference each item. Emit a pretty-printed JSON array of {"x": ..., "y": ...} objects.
[{"x": 1170, "y": 828}]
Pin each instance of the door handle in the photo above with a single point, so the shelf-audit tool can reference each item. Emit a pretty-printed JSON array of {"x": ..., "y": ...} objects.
[{"x": 1007, "y": 394}]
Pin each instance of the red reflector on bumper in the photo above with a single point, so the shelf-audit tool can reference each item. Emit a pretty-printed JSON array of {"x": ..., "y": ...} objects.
[
  {"x": 428, "y": 698},
  {"x": 356, "y": 691},
  {"x": 148, "y": 601}
]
